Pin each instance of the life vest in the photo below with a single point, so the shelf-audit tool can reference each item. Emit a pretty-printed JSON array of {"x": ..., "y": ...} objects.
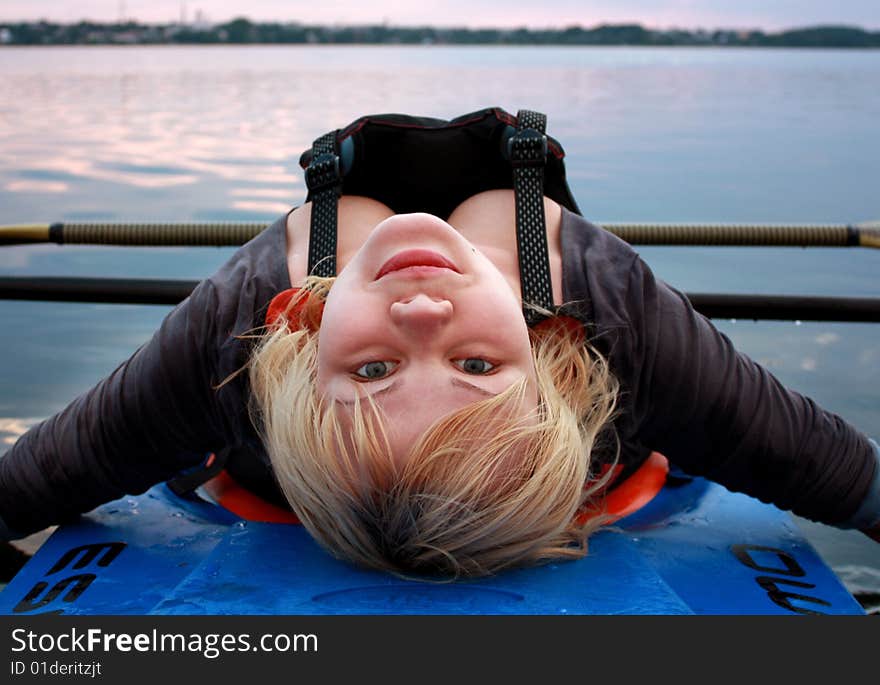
[{"x": 420, "y": 164}]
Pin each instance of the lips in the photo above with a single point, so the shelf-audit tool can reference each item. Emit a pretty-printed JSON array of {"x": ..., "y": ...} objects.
[{"x": 417, "y": 260}]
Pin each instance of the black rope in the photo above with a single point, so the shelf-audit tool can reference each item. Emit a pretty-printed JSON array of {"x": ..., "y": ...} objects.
[
  {"x": 787, "y": 307},
  {"x": 712, "y": 305},
  {"x": 104, "y": 290}
]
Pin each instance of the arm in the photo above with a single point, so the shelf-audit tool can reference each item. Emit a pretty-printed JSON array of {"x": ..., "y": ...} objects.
[
  {"x": 153, "y": 416},
  {"x": 718, "y": 414},
  {"x": 158, "y": 413},
  {"x": 867, "y": 517}
]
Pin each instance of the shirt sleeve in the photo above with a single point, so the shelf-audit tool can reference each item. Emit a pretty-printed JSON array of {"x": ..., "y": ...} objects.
[
  {"x": 867, "y": 517},
  {"x": 716, "y": 413},
  {"x": 155, "y": 415}
]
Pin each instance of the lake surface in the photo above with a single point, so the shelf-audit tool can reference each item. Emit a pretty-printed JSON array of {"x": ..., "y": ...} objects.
[{"x": 672, "y": 134}]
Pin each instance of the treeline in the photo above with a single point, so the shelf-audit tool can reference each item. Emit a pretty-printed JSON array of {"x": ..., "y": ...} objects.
[{"x": 243, "y": 31}]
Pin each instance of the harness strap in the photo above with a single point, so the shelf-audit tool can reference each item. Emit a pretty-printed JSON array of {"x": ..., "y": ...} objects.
[
  {"x": 324, "y": 181},
  {"x": 187, "y": 481},
  {"x": 527, "y": 151}
]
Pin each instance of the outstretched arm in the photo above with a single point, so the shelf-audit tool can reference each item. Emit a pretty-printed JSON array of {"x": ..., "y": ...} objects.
[
  {"x": 160, "y": 411},
  {"x": 153, "y": 416},
  {"x": 718, "y": 414},
  {"x": 867, "y": 517}
]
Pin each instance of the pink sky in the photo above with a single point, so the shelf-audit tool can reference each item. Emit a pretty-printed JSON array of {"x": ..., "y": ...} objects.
[{"x": 766, "y": 14}]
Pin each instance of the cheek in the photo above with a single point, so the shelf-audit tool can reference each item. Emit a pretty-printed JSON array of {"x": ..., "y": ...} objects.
[
  {"x": 503, "y": 326},
  {"x": 331, "y": 340},
  {"x": 348, "y": 326},
  {"x": 344, "y": 314},
  {"x": 498, "y": 314}
]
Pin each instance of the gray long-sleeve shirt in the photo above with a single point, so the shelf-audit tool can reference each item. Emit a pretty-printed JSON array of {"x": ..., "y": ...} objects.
[{"x": 686, "y": 393}]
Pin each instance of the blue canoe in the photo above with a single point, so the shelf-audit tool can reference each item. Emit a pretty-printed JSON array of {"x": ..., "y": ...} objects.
[{"x": 694, "y": 548}]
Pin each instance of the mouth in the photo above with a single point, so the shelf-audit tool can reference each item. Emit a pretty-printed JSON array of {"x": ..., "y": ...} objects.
[{"x": 416, "y": 263}]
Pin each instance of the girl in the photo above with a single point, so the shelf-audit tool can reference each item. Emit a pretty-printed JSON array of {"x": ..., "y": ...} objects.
[{"x": 414, "y": 421}]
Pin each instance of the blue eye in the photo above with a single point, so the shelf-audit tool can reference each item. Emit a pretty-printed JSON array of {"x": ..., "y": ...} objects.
[
  {"x": 475, "y": 365},
  {"x": 375, "y": 370}
]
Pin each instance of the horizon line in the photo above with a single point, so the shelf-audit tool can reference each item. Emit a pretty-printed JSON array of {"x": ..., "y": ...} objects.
[{"x": 390, "y": 25}]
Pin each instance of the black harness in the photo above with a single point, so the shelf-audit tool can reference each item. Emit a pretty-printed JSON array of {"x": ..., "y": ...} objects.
[{"x": 418, "y": 164}]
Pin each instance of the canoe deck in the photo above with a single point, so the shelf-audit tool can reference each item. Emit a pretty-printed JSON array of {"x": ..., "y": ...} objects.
[{"x": 695, "y": 548}]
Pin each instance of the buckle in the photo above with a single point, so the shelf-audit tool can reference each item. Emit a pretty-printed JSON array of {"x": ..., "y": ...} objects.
[
  {"x": 527, "y": 148},
  {"x": 323, "y": 173}
]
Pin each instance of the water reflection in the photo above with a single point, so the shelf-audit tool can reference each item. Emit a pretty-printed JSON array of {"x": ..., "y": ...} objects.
[
  {"x": 259, "y": 192},
  {"x": 261, "y": 206},
  {"x": 146, "y": 132},
  {"x": 43, "y": 187},
  {"x": 863, "y": 582},
  {"x": 13, "y": 428}
]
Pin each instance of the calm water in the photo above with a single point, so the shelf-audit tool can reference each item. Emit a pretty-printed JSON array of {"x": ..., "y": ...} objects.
[{"x": 186, "y": 133}]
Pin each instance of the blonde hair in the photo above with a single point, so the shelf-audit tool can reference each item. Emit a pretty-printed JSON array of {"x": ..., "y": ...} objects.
[{"x": 482, "y": 490}]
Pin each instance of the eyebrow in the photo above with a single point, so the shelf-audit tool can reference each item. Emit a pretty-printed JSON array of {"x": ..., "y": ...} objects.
[
  {"x": 374, "y": 395},
  {"x": 464, "y": 384},
  {"x": 458, "y": 382}
]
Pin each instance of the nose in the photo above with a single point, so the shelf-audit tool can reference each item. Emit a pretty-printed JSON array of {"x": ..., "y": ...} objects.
[{"x": 421, "y": 316}]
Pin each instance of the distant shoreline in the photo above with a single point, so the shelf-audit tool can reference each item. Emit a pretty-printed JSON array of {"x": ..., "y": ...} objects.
[
  {"x": 220, "y": 46},
  {"x": 245, "y": 32}
]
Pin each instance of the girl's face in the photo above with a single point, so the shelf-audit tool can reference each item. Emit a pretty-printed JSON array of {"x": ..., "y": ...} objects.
[{"x": 424, "y": 323}]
